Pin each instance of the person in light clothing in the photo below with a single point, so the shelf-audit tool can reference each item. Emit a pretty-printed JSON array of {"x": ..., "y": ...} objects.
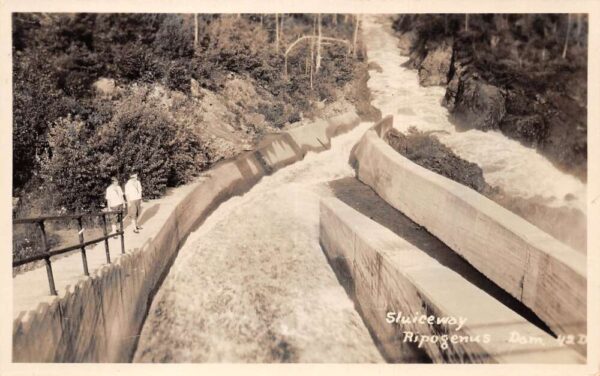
[
  {"x": 133, "y": 193},
  {"x": 114, "y": 201}
]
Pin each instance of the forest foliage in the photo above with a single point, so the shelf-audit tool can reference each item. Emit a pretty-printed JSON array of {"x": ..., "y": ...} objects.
[{"x": 71, "y": 140}]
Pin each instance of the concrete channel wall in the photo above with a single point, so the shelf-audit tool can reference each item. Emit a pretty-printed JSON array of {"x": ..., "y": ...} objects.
[
  {"x": 386, "y": 274},
  {"x": 540, "y": 271},
  {"x": 99, "y": 319}
]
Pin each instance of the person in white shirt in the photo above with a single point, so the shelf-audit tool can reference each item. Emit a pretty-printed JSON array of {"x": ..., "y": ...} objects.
[
  {"x": 133, "y": 193},
  {"x": 114, "y": 200}
]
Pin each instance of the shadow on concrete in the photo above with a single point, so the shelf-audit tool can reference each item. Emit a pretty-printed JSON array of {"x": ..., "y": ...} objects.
[
  {"x": 410, "y": 352},
  {"x": 148, "y": 213},
  {"x": 364, "y": 200}
]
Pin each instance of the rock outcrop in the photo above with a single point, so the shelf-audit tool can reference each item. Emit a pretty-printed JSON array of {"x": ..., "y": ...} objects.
[
  {"x": 435, "y": 68},
  {"x": 478, "y": 105},
  {"x": 542, "y": 105}
]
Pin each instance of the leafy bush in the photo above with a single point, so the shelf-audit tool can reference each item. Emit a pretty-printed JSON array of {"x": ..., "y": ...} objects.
[
  {"x": 73, "y": 168},
  {"x": 140, "y": 137},
  {"x": 273, "y": 112},
  {"x": 174, "y": 39},
  {"x": 36, "y": 103},
  {"x": 179, "y": 76}
]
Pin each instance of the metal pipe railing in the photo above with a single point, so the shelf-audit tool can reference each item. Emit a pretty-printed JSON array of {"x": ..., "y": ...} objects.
[{"x": 46, "y": 251}]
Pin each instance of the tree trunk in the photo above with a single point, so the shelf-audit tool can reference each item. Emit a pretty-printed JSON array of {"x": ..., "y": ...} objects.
[
  {"x": 445, "y": 24},
  {"x": 195, "y": 31},
  {"x": 355, "y": 37},
  {"x": 564, "y": 54},
  {"x": 467, "y": 22},
  {"x": 306, "y": 65},
  {"x": 579, "y": 27},
  {"x": 281, "y": 28},
  {"x": 543, "y": 55},
  {"x": 277, "y": 32},
  {"x": 318, "y": 62},
  {"x": 312, "y": 52}
]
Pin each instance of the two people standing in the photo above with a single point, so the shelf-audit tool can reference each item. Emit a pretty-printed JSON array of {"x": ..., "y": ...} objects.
[{"x": 115, "y": 200}]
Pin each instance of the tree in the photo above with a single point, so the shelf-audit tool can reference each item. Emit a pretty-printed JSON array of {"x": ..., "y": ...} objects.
[
  {"x": 281, "y": 27},
  {"x": 277, "y": 32},
  {"x": 195, "y": 31},
  {"x": 355, "y": 37},
  {"x": 318, "y": 61},
  {"x": 564, "y": 53}
]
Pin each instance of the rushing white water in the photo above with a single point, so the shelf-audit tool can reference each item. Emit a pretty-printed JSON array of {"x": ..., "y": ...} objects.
[
  {"x": 252, "y": 283},
  {"x": 518, "y": 170}
]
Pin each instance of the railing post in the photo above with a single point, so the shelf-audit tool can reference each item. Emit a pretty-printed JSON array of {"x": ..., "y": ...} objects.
[
  {"x": 122, "y": 232},
  {"x": 47, "y": 259},
  {"x": 81, "y": 240},
  {"x": 105, "y": 232}
]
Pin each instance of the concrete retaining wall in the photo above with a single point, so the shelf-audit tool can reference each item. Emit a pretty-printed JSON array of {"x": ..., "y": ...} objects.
[
  {"x": 543, "y": 273},
  {"x": 387, "y": 274},
  {"x": 99, "y": 319}
]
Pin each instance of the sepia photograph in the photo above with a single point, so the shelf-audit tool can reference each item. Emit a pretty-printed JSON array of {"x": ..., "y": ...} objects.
[{"x": 299, "y": 187}]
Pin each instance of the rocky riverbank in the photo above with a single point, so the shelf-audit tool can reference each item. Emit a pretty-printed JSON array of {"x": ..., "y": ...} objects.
[{"x": 513, "y": 73}]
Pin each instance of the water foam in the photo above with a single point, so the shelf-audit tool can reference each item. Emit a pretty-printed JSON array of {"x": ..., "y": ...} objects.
[{"x": 519, "y": 170}]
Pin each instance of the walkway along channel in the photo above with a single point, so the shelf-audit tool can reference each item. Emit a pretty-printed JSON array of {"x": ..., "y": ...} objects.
[
  {"x": 47, "y": 252},
  {"x": 98, "y": 318}
]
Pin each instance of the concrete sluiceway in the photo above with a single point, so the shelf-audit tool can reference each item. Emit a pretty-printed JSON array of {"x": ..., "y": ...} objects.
[{"x": 252, "y": 283}]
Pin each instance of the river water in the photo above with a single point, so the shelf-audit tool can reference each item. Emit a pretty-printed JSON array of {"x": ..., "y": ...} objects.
[
  {"x": 520, "y": 171},
  {"x": 252, "y": 283}
]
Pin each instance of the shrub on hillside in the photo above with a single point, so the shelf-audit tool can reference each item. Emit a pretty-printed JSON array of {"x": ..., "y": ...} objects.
[
  {"x": 140, "y": 137},
  {"x": 36, "y": 103},
  {"x": 179, "y": 76},
  {"x": 175, "y": 38},
  {"x": 73, "y": 167},
  {"x": 274, "y": 113},
  {"x": 58, "y": 57}
]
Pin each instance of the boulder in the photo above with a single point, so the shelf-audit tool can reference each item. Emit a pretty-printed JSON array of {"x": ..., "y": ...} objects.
[
  {"x": 449, "y": 99},
  {"x": 530, "y": 130},
  {"x": 374, "y": 66},
  {"x": 406, "y": 41},
  {"x": 105, "y": 87},
  {"x": 434, "y": 69},
  {"x": 478, "y": 104},
  {"x": 195, "y": 89}
]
